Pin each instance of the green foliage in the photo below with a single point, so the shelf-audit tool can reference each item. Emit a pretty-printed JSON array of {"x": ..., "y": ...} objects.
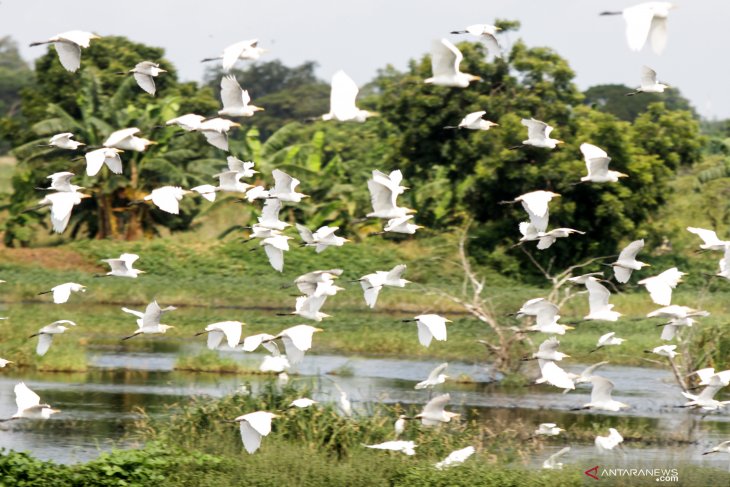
[
  {"x": 612, "y": 99},
  {"x": 14, "y": 76}
]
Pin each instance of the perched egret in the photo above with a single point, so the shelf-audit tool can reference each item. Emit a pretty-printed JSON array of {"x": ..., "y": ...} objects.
[
  {"x": 321, "y": 239},
  {"x": 552, "y": 462},
  {"x": 433, "y": 412},
  {"x": 149, "y": 321},
  {"x": 216, "y": 131},
  {"x": 660, "y": 287},
  {"x": 342, "y": 100},
  {"x": 246, "y": 50},
  {"x": 230, "y": 330},
  {"x": 710, "y": 240},
  {"x": 548, "y": 429},
  {"x": 68, "y": 47},
  {"x": 474, "y": 121},
  {"x": 125, "y": 139},
  {"x": 253, "y": 427},
  {"x": 29, "y": 404},
  {"x": 62, "y": 292},
  {"x": 538, "y": 134},
  {"x": 167, "y": 198},
  {"x": 61, "y": 204},
  {"x": 649, "y": 83},
  {"x": 236, "y": 101},
  {"x": 406, "y": 447},
  {"x": 644, "y": 21},
  {"x": 597, "y": 165},
  {"x": 445, "y": 60},
  {"x": 106, "y": 155},
  {"x": 275, "y": 246},
  {"x": 145, "y": 73},
  {"x": 45, "y": 335},
  {"x": 188, "y": 122},
  {"x": 64, "y": 141},
  {"x": 284, "y": 187},
  {"x": 297, "y": 340},
  {"x": 614, "y": 439},
  {"x": 400, "y": 425},
  {"x": 61, "y": 182},
  {"x": 122, "y": 266},
  {"x": 430, "y": 326},
  {"x": 609, "y": 339},
  {"x": 435, "y": 377},
  {"x": 627, "y": 262},
  {"x": 598, "y": 305},
  {"x": 455, "y": 458},
  {"x": 601, "y": 396}
]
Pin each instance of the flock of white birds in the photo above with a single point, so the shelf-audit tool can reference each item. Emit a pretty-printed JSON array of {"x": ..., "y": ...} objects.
[{"x": 646, "y": 21}]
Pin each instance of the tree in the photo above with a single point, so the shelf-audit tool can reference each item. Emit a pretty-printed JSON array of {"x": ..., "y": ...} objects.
[
  {"x": 14, "y": 76},
  {"x": 612, "y": 99}
]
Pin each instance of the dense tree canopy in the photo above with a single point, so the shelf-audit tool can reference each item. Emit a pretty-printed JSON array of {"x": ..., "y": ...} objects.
[{"x": 612, "y": 99}]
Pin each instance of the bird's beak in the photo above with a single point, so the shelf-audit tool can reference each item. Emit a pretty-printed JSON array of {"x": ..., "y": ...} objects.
[
  {"x": 235, "y": 124},
  {"x": 54, "y": 411},
  {"x": 258, "y": 109},
  {"x": 448, "y": 321},
  {"x": 568, "y": 327},
  {"x": 162, "y": 70},
  {"x": 560, "y": 142},
  {"x": 318, "y": 329},
  {"x": 622, "y": 175}
]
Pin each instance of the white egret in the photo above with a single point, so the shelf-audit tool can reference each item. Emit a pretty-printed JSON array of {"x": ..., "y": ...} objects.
[
  {"x": 627, "y": 262},
  {"x": 270, "y": 215},
  {"x": 445, "y": 60},
  {"x": 548, "y": 350},
  {"x": 253, "y": 427},
  {"x": 552, "y": 374},
  {"x": 188, "y": 122},
  {"x": 122, "y": 266},
  {"x": 61, "y": 204},
  {"x": 125, "y": 139},
  {"x": 302, "y": 402},
  {"x": 275, "y": 246},
  {"x": 106, "y": 155},
  {"x": 710, "y": 240},
  {"x": 455, "y": 458},
  {"x": 597, "y": 165},
  {"x": 614, "y": 439},
  {"x": 284, "y": 187},
  {"x": 435, "y": 377},
  {"x": 145, "y": 73},
  {"x": 257, "y": 193},
  {"x": 676, "y": 311},
  {"x": 433, "y": 412},
  {"x": 62, "y": 292},
  {"x": 216, "y": 131},
  {"x": 246, "y": 50},
  {"x": 406, "y": 447},
  {"x": 29, "y": 404},
  {"x": 538, "y": 134},
  {"x": 274, "y": 363},
  {"x": 236, "y": 100},
  {"x": 343, "y": 401},
  {"x": 64, "y": 141},
  {"x": 384, "y": 190},
  {"x": 297, "y": 340},
  {"x": 400, "y": 425},
  {"x": 660, "y": 287},
  {"x": 552, "y": 462},
  {"x": 607, "y": 340},
  {"x": 599, "y": 307},
  {"x": 601, "y": 396},
  {"x": 535, "y": 204},
  {"x": 546, "y": 316},
  {"x": 723, "y": 447},
  {"x": 587, "y": 374},
  {"x": 705, "y": 399},
  {"x": 664, "y": 351},
  {"x": 486, "y": 32},
  {"x": 401, "y": 225},
  {"x": 149, "y": 321},
  {"x": 4, "y": 362},
  {"x": 167, "y": 198},
  {"x": 342, "y": 100},
  {"x": 430, "y": 326},
  {"x": 318, "y": 283},
  {"x": 474, "y": 121},
  {"x": 61, "y": 182},
  {"x": 643, "y": 21},
  {"x": 373, "y": 283},
  {"x": 309, "y": 307},
  {"x": 230, "y": 181},
  {"x": 547, "y": 239},
  {"x": 244, "y": 168},
  {"x": 230, "y": 330},
  {"x": 321, "y": 239},
  {"x": 708, "y": 376},
  {"x": 252, "y": 342},
  {"x": 548, "y": 429},
  {"x": 649, "y": 83},
  {"x": 45, "y": 335},
  {"x": 68, "y": 47}
]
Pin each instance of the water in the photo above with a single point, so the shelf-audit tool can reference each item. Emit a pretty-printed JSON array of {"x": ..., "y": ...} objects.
[{"x": 99, "y": 406}]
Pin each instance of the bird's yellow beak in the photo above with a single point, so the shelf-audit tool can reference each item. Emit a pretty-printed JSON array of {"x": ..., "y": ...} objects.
[{"x": 318, "y": 329}]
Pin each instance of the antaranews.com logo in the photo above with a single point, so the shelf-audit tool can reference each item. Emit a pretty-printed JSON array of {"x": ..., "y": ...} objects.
[{"x": 659, "y": 474}]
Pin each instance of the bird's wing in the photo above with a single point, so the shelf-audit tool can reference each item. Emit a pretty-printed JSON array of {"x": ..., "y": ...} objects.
[
  {"x": 648, "y": 76},
  {"x": 307, "y": 288},
  {"x": 659, "y": 290},
  {"x": 283, "y": 183},
  {"x": 260, "y": 421},
  {"x": 25, "y": 398},
  {"x": 445, "y": 58},
  {"x": 251, "y": 438},
  {"x": 708, "y": 393},
  {"x": 305, "y": 233},
  {"x": 588, "y": 371},
  {"x": 129, "y": 259},
  {"x": 293, "y": 353},
  {"x": 301, "y": 335},
  {"x": 118, "y": 136},
  {"x": 492, "y": 44},
  {"x": 61, "y": 179},
  {"x": 232, "y": 331},
  {"x": 472, "y": 117},
  {"x": 78, "y": 37},
  {"x": 622, "y": 274},
  {"x": 591, "y": 151},
  {"x": 535, "y": 129},
  {"x": 94, "y": 161},
  {"x": 555, "y": 456},
  {"x": 342, "y": 96},
  {"x": 437, "y": 404},
  {"x": 598, "y": 294},
  {"x": 658, "y": 34},
  {"x": 61, "y": 293},
  {"x": 231, "y": 93},
  {"x": 436, "y": 326},
  {"x": 536, "y": 203},
  {"x": 631, "y": 250},
  {"x": 152, "y": 314},
  {"x": 554, "y": 375},
  {"x": 602, "y": 388},
  {"x": 216, "y": 139},
  {"x": 234, "y": 51},
  {"x": 370, "y": 291},
  {"x": 134, "y": 312},
  {"x": 63, "y": 203},
  {"x": 166, "y": 199},
  {"x": 395, "y": 273},
  {"x": 146, "y": 82},
  {"x": 550, "y": 345},
  {"x": 69, "y": 54},
  {"x": 44, "y": 343},
  {"x": 276, "y": 257},
  {"x": 381, "y": 197},
  {"x": 270, "y": 211},
  {"x": 638, "y": 22},
  {"x": 215, "y": 338},
  {"x": 433, "y": 375},
  {"x": 546, "y": 314},
  {"x": 113, "y": 162},
  {"x": 709, "y": 237},
  {"x": 424, "y": 334},
  {"x": 598, "y": 166}
]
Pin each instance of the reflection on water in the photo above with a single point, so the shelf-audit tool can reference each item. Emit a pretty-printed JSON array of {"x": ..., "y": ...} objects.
[{"x": 98, "y": 407}]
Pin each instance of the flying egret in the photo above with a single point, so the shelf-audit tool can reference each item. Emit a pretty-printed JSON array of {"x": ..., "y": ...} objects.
[
  {"x": 61, "y": 204},
  {"x": 552, "y": 374},
  {"x": 230, "y": 330},
  {"x": 649, "y": 83},
  {"x": 706, "y": 399},
  {"x": 246, "y": 50},
  {"x": 106, "y": 155},
  {"x": 149, "y": 321},
  {"x": 61, "y": 182},
  {"x": 144, "y": 73},
  {"x": 708, "y": 376},
  {"x": 68, "y": 47},
  {"x": 270, "y": 215},
  {"x": 598, "y": 305},
  {"x": 614, "y": 439},
  {"x": 253, "y": 427},
  {"x": 535, "y": 203},
  {"x": 384, "y": 190},
  {"x": 406, "y": 447},
  {"x": 216, "y": 131},
  {"x": 318, "y": 283},
  {"x": 485, "y": 32},
  {"x": 601, "y": 396},
  {"x": 342, "y": 100},
  {"x": 4, "y": 362},
  {"x": 297, "y": 340},
  {"x": 445, "y": 60},
  {"x": 309, "y": 307},
  {"x": 126, "y": 139},
  {"x": 401, "y": 225},
  {"x": 455, "y": 458},
  {"x": 430, "y": 326},
  {"x": 644, "y": 21},
  {"x": 538, "y": 134},
  {"x": 252, "y": 342},
  {"x": 548, "y": 429},
  {"x": 546, "y": 316},
  {"x": 274, "y": 363},
  {"x": 597, "y": 165},
  {"x": 64, "y": 141},
  {"x": 45, "y": 335},
  {"x": 664, "y": 351},
  {"x": 29, "y": 404},
  {"x": 275, "y": 246},
  {"x": 660, "y": 286},
  {"x": 710, "y": 240},
  {"x": 167, "y": 198},
  {"x": 302, "y": 402},
  {"x": 321, "y": 239},
  {"x": 236, "y": 100},
  {"x": 609, "y": 339},
  {"x": 474, "y": 121},
  {"x": 627, "y": 262},
  {"x": 552, "y": 462},
  {"x": 435, "y": 377},
  {"x": 244, "y": 168},
  {"x": 122, "y": 266},
  {"x": 62, "y": 292},
  {"x": 547, "y": 239},
  {"x": 723, "y": 447},
  {"x": 433, "y": 412},
  {"x": 548, "y": 350},
  {"x": 587, "y": 374},
  {"x": 284, "y": 187},
  {"x": 188, "y": 122},
  {"x": 373, "y": 283},
  {"x": 676, "y": 311}
]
